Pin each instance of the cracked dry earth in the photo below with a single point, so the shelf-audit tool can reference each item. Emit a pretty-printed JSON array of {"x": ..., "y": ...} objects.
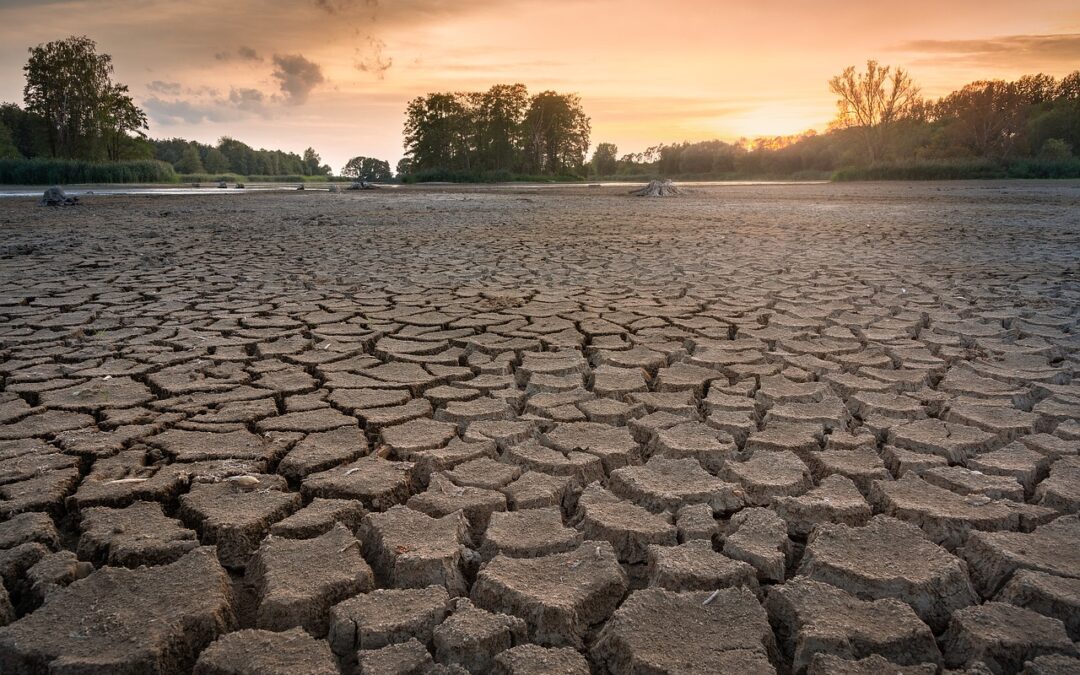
[{"x": 794, "y": 429}]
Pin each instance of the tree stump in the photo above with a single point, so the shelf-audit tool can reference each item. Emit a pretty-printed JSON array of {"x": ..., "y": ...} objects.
[{"x": 658, "y": 188}]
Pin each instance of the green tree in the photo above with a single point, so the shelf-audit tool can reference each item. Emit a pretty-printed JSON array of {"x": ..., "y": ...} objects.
[
  {"x": 367, "y": 168},
  {"x": 214, "y": 161},
  {"x": 986, "y": 117},
  {"x": 1069, "y": 86},
  {"x": 241, "y": 157},
  {"x": 556, "y": 133},
  {"x": 404, "y": 167},
  {"x": 190, "y": 161},
  {"x": 1055, "y": 149},
  {"x": 437, "y": 128},
  {"x": 28, "y": 131},
  {"x": 118, "y": 117},
  {"x": 7, "y": 146},
  {"x": 605, "y": 159},
  {"x": 313, "y": 165},
  {"x": 68, "y": 85},
  {"x": 498, "y": 115},
  {"x": 872, "y": 101}
]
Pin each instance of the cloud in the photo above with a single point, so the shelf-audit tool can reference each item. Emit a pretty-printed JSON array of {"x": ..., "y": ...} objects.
[
  {"x": 243, "y": 52},
  {"x": 249, "y": 100},
  {"x": 167, "y": 88},
  {"x": 373, "y": 60},
  {"x": 1041, "y": 51},
  {"x": 206, "y": 105},
  {"x": 179, "y": 110},
  {"x": 340, "y": 6},
  {"x": 296, "y": 76}
]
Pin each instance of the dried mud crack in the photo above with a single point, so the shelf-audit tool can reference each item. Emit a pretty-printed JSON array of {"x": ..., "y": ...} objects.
[{"x": 771, "y": 429}]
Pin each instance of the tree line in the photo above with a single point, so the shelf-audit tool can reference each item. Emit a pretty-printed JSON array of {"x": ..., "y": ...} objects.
[
  {"x": 498, "y": 132},
  {"x": 885, "y": 128},
  {"x": 75, "y": 116}
]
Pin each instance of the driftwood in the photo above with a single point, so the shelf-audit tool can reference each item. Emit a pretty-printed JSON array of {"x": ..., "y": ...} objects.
[
  {"x": 658, "y": 188},
  {"x": 362, "y": 185},
  {"x": 56, "y": 196}
]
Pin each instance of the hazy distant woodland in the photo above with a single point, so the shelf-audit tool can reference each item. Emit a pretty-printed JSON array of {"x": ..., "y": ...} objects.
[{"x": 78, "y": 126}]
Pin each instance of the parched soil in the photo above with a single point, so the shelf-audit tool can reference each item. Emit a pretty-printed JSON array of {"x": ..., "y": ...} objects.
[{"x": 752, "y": 429}]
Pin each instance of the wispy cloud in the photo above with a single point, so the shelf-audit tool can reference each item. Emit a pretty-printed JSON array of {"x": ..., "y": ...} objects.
[
  {"x": 1008, "y": 50},
  {"x": 170, "y": 105},
  {"x": 372, "y": 58},
  {"x": 242, "y": 53}
]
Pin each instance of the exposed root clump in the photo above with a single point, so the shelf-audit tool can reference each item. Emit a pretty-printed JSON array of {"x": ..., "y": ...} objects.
[{"x": 658, "y": 188}]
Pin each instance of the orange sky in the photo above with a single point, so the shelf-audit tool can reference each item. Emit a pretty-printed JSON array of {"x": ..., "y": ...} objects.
[{"x": 647, "y": 72}]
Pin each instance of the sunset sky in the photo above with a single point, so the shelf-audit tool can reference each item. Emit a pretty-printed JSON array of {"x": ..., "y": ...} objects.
[{"x": 336, "y": 74}]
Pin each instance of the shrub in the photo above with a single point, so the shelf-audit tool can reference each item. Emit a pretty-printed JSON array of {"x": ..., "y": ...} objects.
[
  {"x": 927, "y": 170},
  {"x": 41, "y": 171}
]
